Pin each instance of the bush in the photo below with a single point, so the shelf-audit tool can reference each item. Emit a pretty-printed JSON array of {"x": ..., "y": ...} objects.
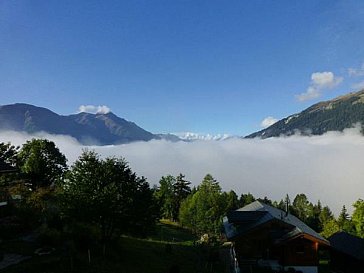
[
  {"x": 50, "y": 237},
  {"x": 10, "y": 227},
  {"x": 85, "y": 236}
]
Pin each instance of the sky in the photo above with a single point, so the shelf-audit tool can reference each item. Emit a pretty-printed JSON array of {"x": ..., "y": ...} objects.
[
  {"x": 209, "y": 67},
  {"x": 181, "y": 66}
]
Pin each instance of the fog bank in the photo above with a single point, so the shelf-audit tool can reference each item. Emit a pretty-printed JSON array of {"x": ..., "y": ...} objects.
[{"x": 328, "y": 167}]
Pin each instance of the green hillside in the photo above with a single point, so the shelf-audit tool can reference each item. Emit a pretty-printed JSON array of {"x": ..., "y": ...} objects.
[
  {"x": 169, "y": 246},
  {"x": 333, "y": 115}
]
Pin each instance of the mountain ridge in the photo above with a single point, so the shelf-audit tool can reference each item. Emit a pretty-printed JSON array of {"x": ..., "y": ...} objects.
[
  {"x": 87, "y": 128},
  {"x": 336, "y": 114}
]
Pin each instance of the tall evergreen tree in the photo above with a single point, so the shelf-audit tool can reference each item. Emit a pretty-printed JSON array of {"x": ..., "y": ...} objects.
[
  {"x": 203, "y": 211},
  {"x": 266, "y": 200},
  {"x": 165, "y": 196},
  {"x": 343, "y": 217},
  {"x": 246, "y": 199},
  {"x": 344, "y": 221},
  {"x": 301, "y": 206},
  {"x": 313, "y": 219},
  {"x": 231, "y": 200},
  {"x": 181, "y": 189},
  {"x": 280, "y": 205},
  {"x": 325, "y": 215}
]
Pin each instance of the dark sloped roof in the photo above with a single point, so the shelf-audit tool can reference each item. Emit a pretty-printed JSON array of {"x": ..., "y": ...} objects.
[
  {"x": 6, "y": 168},
  {"x": 348, "y": 244},
  {"x": 268, "y": 213},
  {"x": 245, "y": 216}
]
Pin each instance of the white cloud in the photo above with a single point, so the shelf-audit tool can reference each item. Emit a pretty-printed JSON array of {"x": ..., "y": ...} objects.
[
  {"x": 310, "y": 94},
  {"x": 268, "y": 121},
  {"x": 320, "y": 81},
  {"x": 325, "y": 80},
  {"x": 356, "y": 72},
  {"x": 327, "y": 167},
  {"x": 101, "y": 109}
]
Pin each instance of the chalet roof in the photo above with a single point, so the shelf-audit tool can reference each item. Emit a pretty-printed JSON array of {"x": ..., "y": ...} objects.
[
  {"x": 237, "y": 216},
  {"x": 6, "y": 168},
  {"x": 348, "y": 244},
  {"x": 257, "y": 213}
]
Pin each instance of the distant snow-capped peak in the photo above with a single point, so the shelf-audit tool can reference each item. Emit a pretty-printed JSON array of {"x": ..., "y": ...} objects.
[{"x": 190, "y": 136}]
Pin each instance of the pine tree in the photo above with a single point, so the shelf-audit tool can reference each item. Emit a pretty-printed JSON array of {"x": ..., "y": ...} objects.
[
  {"x": 343, "y": 217},
  {"x": 313, "y": 219},
  {"x": 165, "y": 196},
  {"x": 325, "y": 215},
  {"x": 344, "y": 221},
  {"x": 246, "y": 199},
  {"x": 181, "y": 189},
  {"x": 203, "y": 211},
  {"x": 301, "y": 206}
]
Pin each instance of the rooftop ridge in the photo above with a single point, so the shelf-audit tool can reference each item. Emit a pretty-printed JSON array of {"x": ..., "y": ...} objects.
[{"x": 287, "y": 218}]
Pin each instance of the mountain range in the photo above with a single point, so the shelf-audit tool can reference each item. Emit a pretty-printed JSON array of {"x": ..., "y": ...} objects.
[
  {"x": 332, "y": 115},
  {"x": 107, "y": 128},
  {"x": 190, "y": 136},
  {"x": 87, "y": 128}
]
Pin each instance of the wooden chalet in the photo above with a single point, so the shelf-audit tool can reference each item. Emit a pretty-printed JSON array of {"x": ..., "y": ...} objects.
[
  {"x": 347, "y": 253},
  {"x": 265, "y": 236}
]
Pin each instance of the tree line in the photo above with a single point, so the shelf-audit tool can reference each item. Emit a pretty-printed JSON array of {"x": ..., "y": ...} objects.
[
  {"x": 202, "y": 208},
  {"x": 88, "y": 203},
  {"x": 96, "y": 199}
]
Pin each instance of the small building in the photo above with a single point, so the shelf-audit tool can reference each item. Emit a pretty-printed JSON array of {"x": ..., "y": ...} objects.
[
  {"x": 347, "y": 253},
  {"x": 265, "y": 236},
  {"x": 6, "y": 168},
  {"x": 4, "y": 197}
]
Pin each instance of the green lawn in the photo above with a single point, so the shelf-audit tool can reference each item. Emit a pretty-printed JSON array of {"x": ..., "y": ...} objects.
[
  {"x": 170, "y": 232},
  {"x": 169, "y": 246}
]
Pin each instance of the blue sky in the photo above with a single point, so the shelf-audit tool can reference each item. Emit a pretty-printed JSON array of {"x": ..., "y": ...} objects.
[{"x": 173, "y": 66}]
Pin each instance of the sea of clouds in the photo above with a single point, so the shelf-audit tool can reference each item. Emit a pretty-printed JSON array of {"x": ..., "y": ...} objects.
[{"x": 328, "y": 167}]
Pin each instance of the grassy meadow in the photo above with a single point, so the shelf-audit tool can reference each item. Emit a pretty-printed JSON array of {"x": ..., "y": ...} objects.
[{"x": 169, "y": 247}]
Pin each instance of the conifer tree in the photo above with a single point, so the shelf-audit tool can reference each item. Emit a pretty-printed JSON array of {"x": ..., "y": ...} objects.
[{"x": 181, "y": 189}]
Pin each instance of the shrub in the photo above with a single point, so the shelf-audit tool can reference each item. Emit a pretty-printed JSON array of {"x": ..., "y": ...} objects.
[{"x": 50, "y": 237}]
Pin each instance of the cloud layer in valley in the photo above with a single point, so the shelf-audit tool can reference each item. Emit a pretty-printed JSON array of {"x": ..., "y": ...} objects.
[{"x": 328, "y": 167}]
